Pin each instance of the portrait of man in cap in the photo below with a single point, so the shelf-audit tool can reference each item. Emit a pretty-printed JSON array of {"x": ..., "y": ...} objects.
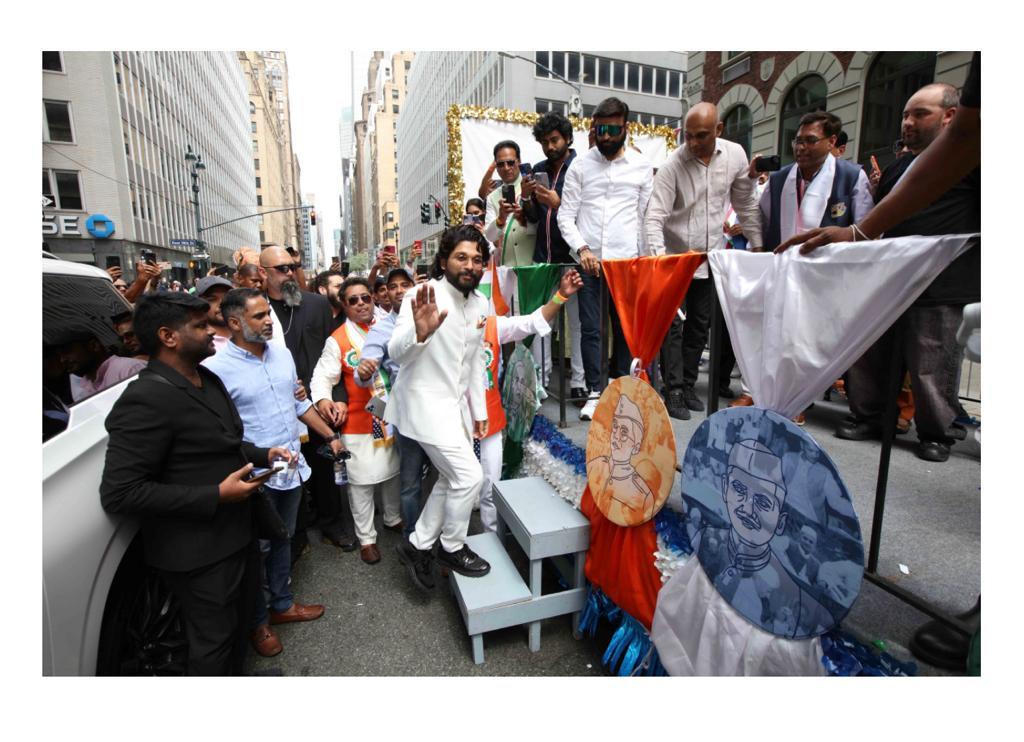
[
  {"x": 626, "y": 498},
  {"x": 739, "y": 559}
]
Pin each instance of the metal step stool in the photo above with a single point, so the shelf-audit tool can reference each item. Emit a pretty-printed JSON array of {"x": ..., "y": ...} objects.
[{"x": 545, "y": 526}]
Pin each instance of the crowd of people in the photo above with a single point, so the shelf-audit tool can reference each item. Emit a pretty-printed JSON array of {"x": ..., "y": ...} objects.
[{"x": 267, "y": 403}]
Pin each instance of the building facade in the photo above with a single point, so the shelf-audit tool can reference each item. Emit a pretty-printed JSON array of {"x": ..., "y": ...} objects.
[
  {"x": 762, "y": 95},
  {"x": 376, "y": 134},
  {"x": 277, "y": 71},
  {"x": 346, "y": 199},
  {"x": 116, "y": 128},
  {"x": 651, "y": 84}
]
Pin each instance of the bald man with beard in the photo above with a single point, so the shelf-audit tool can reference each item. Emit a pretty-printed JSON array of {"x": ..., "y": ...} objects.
[
  {"x": 303, "y": 321},
  {"x": 692, "y": 194}
]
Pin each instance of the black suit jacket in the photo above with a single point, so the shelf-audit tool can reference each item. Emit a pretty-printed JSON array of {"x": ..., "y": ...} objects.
[
  {"x": 307, "y": 328},
  {"x": 169, "y": 450}
]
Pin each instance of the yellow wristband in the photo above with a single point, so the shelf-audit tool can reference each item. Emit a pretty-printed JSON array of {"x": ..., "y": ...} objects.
[{"x": 559, "y": 299}]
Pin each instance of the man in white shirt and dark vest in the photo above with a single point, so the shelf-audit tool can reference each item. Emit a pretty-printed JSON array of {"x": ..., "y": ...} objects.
[
  {"x": 601, "y": 217},
  {"x": 439, "y": 401}
]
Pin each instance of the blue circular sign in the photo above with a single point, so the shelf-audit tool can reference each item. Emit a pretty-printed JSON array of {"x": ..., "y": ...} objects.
[
  {"x": 99, "y": 226},
  {"x": 772, "y": 522}
]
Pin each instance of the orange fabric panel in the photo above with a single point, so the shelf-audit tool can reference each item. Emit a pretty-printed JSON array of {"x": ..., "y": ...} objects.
[
  {"x": 647, "y": 293},
  {"x": 620, "y": 561},
  {"x": 500, "y": 306},
  {"x": 495, "y": 410}
]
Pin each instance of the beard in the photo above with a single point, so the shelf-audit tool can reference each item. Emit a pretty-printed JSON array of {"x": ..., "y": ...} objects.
[
  {"x": 336, "y": 302},
  {"x": 255, "y": 337},
  {"x": 610, "y": 148},
  {"x": 291, "y": 294},
  {"x": 464, "y": 281}
]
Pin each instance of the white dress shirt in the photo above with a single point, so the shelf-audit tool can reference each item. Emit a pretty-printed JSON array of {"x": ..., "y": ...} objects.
[
  {"x": 442, "y": 375},
  {"x": 603, "y": 204},
  {"x": 690, "y": 201}
]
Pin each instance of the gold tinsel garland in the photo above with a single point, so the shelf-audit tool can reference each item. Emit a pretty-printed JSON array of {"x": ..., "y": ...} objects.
[{"x": 456, "y": 186}]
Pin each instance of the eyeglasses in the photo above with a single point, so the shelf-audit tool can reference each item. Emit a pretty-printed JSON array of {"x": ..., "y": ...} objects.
[
  {"x": 612, "y": 130},
  {"x": 807, "y": 141},
  {"x": 505, "y": 163},
  {"x": 286, "y": 267},
  {"x": 363, "y": 298}
]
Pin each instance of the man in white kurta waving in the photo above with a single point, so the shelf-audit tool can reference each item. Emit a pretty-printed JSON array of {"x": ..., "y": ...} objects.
[{"x": 438, "y": 400}]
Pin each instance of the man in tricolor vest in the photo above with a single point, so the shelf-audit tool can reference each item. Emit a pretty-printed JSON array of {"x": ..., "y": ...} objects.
[
  {"x": 497, "y": 332},
  {"x": 371, "y": 443}
]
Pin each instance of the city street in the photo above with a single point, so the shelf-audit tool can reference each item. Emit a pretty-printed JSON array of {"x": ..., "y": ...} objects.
[{"x": 378, "y": 624}]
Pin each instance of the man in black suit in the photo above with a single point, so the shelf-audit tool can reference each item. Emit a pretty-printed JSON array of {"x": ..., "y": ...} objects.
[
  {"x": 177, "y": 460},
  {"x": 306, "y": 321}
]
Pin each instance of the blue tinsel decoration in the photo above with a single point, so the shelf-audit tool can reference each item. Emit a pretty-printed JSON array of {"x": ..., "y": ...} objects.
[{"x": 844, "y": 656}]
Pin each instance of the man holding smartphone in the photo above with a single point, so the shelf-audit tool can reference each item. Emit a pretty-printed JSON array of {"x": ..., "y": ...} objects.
[
  {"x": 507, "y": 225},
  {"x": 692, "y": 193},
  {"x": 173, "y": 460}
]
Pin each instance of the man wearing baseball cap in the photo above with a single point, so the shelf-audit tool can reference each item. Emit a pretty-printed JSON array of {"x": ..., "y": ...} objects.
[{"x": 211, "y": 289}]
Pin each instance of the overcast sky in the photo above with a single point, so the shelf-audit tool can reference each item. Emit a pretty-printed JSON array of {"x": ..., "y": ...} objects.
[{"x": 320, "y": 87}]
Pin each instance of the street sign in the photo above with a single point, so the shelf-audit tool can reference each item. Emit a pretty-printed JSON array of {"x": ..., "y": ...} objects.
[{"x": 183, "y": 243}]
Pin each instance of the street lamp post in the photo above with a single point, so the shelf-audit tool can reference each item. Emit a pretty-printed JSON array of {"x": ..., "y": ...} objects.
[{"x": 196, "y": 166}]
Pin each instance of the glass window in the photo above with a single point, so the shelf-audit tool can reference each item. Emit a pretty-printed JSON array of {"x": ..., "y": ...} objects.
[
  {"x": 52, "y": 62},
  {"x": 47, "y": 187},
  {"x": 541, "y": 105},
  {"x": 394, "y": 108},
  {"x": 541, "y": 58},
  {"x": 589, "y": 70},
  {"x": 256, "y": 164},
  {"x": 647, "y": 80},
  {"x": 619, "y": 77},
  {"x": 661, "y": 82},
  {"x": 574, "y": 67},
  {"x": 633, "y": 78},
  {"x": 253, "y": 126},
  {"x": 892, "y": 79},
  {"x": 255, "y": 145},
  {"x": 394, "y": 93},
  {"x": 558, "y": 63},
  {"x": 69, "y": 195},
  {"x": 674, "y": 84},
  {"x": 258, "y": 181},
  {"x": 588, "y": 111},
  {"x": 604, "y": 73},
  {"x": 809, "y": 94},
  {"x": 58, "y": 121},
  {"x": 259, "y": 200},
  {"x": 252, "y": 107},
  {"x": 738, "y": 127}
]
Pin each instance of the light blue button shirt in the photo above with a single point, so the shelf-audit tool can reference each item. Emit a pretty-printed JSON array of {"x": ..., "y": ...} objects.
[
  {"x": 376, "y": 347},
  {"x": 263, "y": 390}
]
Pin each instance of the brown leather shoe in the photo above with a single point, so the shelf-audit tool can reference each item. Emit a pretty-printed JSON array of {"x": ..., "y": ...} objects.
[
  {"x": 265, "y": 641},
  {"x": 800, "y": 419},
  {"x": 297, "y": 612},
  {"x": 744, "y": 400},
  {"x": 369, "y": 553}
]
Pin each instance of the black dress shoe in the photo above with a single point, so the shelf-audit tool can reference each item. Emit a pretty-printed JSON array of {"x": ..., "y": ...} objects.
[
  {"x": 956, "y": 431},
  {"x": 419, "y": 563},
  {"x": 932, "y": 451},
  {"x": 336, "y": 537},
  {"x": 941, "y": 646},
  {"x": 464, "y": 561},
  {"x": 858, "y": 431},
  {"x": 676, "y": 407},
  {"x": 690, "y": 399}
]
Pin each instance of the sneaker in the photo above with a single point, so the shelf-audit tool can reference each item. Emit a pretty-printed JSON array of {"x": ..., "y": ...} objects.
[
  {"x": 676, "y": 407},
  {"x": 690, "y": 399},
  {"x": 464, "y": 561},
  {"x": 419, "y": 563},
  {"x": 587, "y": 413},
  {"x": 578, "y": 395}
]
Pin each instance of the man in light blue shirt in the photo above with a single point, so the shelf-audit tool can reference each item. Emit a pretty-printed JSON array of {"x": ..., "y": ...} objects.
[
  {"x": 260, "y": 377},
  {"x": 374, "y": 355}
]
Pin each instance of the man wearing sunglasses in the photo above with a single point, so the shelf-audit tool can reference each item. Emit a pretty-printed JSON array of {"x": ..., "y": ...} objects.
[
  {"x": 303, "y": 322},
  {"x": 507, "y": 223},
  {"x": 372, "y": 444},
  {"x": 604, "y": 199}
]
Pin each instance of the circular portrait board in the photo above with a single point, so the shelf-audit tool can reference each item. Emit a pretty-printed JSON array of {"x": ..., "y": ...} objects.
[
  {"x": 772, "y": 522},
  {"x": 631, "y": 452}
]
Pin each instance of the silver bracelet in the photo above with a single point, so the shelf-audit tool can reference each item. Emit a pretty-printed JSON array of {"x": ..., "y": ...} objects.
[{"x": 858, "y": 230}]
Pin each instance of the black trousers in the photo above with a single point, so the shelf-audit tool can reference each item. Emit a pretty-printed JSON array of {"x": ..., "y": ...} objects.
[
  {"x": 932, "y": 357},
  {"x": 618, "y": 365},
  {"x": 329, "y": 507},
  {"x": 685, "y": 341},
  {"x": 217, "y": 603}
]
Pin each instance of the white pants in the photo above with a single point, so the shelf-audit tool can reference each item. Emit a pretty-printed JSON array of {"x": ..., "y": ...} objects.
[
  {"x": 544, "y": 364},
  {"x": 572, "y": 307},
  {"x": 360, "y": 499},
  {"x": 490, "y": 461},
  {"x": 448, "y": 509}
]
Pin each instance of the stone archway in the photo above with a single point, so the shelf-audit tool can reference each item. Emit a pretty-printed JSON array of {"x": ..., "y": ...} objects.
[{"x": 824, "y": 64}]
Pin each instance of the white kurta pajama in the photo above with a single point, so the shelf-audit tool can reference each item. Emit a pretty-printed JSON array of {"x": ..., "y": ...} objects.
[{"x": 435, "y": 400}]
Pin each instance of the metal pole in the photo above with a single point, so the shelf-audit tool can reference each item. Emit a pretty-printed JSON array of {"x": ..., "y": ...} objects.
[
  {"x": 604, "y": 334},
  {"x": 716, "y": 346},
  {"x": 558, "y": 355}
]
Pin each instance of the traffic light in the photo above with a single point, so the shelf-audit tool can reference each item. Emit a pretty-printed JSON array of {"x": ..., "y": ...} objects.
[
  {"x": 424, "y": 213},
  {"x": 437, "y": 210},
  {"x": 312, "y": 216}
]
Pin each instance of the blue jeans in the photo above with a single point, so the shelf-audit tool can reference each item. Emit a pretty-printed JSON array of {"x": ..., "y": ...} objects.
[
  {"x": 411, "y": 480},
  {"x": 276, "y": 557}
]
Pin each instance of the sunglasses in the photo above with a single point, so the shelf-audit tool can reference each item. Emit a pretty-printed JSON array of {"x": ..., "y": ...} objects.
[
  {"x": 286, "y": 267},
  {"x": 362, "y": 298},
  {"x": 611, "y": 130},
  {"x": 505, "y": 163}
]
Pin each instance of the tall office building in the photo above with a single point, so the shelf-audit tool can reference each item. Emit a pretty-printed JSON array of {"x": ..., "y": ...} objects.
[
  {"x": 377, "y": 179},
  {"x": 346, "y": 201},
  {"x": 117, "y": 126},
  {"x": 651, "y": 84},
  {"x": 277, "y": 70}
]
